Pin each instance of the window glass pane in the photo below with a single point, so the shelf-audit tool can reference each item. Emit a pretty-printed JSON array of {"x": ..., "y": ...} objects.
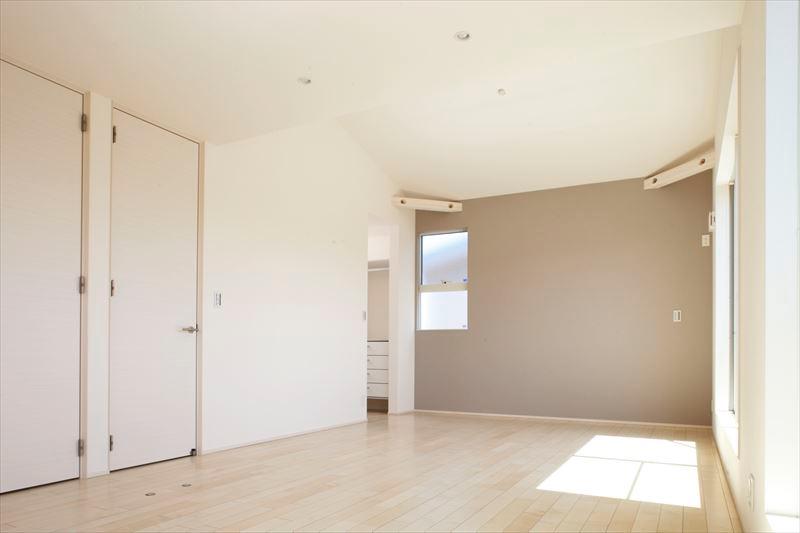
[
  {"x": 443, "y": 310},
  {"x": 444, "y": 258}
]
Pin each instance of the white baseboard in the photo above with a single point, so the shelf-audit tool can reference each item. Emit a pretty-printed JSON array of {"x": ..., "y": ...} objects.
[
  {"x": 281, "y": 437},
  {"x": 560, "y": 419}
]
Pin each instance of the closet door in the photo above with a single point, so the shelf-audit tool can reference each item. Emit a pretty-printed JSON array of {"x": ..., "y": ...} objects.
[
  {"x": 40, "y": 265},
  {"x": 154, "y": 180}
]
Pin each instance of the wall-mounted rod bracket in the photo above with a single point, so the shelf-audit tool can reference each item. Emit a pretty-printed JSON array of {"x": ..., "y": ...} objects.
[
  {"x": 423, "y": 204},
  {"x": 686, "y": 170}
]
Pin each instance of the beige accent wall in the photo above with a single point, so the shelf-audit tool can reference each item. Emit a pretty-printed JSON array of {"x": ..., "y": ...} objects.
[
  {"x": 378, "y": 305},
  {"x": 571, "y": 293}
]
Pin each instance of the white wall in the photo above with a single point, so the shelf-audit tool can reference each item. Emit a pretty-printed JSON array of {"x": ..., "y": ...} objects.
[
  {"x": 285, "y": 224},
  {"x": 782, "y": 263},
  {"x": 96, "y": 266},
  {"x": 378, "y": 305},
  {"x": 286, "y": 219},
  {"x": 768, "y": 367},
  {"x": 749, "y": 435}
]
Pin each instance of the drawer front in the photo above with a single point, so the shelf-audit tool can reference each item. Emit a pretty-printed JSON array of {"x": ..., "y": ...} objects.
[
  {"x": 379, "y": 362},
  {"x": 377, "y": 376},
  {"x": 377, "y": 390},
  {"x": 378, "y": 348}
]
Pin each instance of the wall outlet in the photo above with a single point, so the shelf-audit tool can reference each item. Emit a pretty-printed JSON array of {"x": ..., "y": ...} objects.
[
  {"x": 677, "y": 315},
  {"x": 705, "y": 240},
  {"x": 751, "y": 492}
]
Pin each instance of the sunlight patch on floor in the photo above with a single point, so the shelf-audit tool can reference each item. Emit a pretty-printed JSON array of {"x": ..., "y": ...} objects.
[
  {"x": 647, "y": 470},
  {"x": 669, "y": 484},
  {"x": 593, "y": 477}
]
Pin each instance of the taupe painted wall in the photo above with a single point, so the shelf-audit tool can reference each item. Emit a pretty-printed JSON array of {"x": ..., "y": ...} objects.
[
  {"x": 378, "y": 305},
  {"x": 571, "y": 293}
]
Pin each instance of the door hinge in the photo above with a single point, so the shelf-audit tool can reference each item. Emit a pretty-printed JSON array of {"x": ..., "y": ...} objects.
[
  {"x": 81, "y": 284},
  {"x": 81, "y": 448},
  {"x": 113, "y": 134},
  {"x": 111, "y": 443},
  {"x": 84, "y": 122},
  {"x": 113, "y": 287}
]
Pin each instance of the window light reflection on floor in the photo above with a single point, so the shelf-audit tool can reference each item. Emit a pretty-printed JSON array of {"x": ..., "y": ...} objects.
[{"x": 647, "y": 470}]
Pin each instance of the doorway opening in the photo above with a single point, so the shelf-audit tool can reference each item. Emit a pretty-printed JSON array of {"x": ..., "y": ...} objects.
[{"x": 379, "y": 242}]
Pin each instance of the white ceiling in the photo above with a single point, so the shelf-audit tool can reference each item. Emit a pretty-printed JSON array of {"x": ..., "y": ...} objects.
[
  {"x": 596, "y": 90},
  {"x": 621, "y": 115}
]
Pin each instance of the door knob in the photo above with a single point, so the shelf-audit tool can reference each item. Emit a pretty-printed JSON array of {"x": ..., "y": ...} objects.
[{"x": 191, "y": 329}]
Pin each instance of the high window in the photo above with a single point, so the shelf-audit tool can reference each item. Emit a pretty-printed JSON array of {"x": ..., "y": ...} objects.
[{"x": 443, "y": 281}]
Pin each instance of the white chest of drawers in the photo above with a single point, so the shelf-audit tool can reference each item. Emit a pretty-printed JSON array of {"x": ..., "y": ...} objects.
[{"x": 378, "y": 369}]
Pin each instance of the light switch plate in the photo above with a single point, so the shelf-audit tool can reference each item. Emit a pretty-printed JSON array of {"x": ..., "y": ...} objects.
[
  {"x": 705, "y": 240},
  {"x": 217, "y": 300},
  {"x": 677, "y": 315}
]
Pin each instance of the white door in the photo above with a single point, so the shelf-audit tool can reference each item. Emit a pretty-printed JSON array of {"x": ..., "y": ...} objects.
[
  {"x": 40, "y": 265},
  {"x": 154, "y": 178}
]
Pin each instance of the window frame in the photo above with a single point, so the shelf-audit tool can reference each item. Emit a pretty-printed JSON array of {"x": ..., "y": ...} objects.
[
  {"x": 733, "y": 228},
  {"x": 439, "y": 287}
]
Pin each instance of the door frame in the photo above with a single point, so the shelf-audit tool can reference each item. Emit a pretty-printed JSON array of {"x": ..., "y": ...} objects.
[{"x": 201, "y": 145}]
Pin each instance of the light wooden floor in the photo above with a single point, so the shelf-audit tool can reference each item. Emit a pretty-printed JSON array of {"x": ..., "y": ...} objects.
[{"x": 416, "y": 472}]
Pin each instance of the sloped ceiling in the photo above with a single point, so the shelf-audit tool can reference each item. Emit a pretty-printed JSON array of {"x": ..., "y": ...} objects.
[
  {"x": 620, "y": 115},
  {"x": 594, "y": 90}
]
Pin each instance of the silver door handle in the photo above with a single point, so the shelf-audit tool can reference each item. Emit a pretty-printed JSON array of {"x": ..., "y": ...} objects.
[{"x": 191, "y": 329}]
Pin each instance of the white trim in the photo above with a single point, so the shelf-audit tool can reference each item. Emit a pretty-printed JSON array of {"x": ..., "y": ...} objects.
[
  {"x": 281, "y": 437},
  {"x": 83, "y": 90},
  {"x": 83, "y": 373},
  {"x": 686, "y": 170},
  {"x": 727, "y": 423},
  {"x": 198, "y": 402},
  {"x": 127, "y": 111},
  {"x": 447, "y": 286},
  {"x": 38, "y": 72},
  {"x": 560, "y": 419}
]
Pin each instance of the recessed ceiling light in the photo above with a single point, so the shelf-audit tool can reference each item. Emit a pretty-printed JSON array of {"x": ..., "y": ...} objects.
[
  {"x": 501, "y": 91},
  {"x": 303, "y": 81},
  {"x": 462, "y": 35}
]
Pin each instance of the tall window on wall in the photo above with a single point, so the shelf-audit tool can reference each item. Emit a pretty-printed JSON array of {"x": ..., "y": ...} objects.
[
  {"x": 733, "y": 350},
  {"x": 443, "y": 281}
]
